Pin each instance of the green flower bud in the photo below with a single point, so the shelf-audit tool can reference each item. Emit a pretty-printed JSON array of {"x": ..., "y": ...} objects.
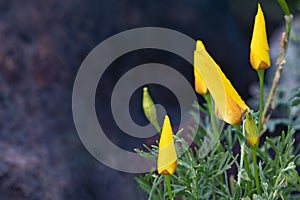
[
  {"x": 252, "y": 134},
  {"x": 149, "y": 108}
]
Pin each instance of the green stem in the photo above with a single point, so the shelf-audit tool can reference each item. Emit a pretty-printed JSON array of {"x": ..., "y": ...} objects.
[
  {"x": 288, "y": 17},
  {"x": 156, "y": 126},
  {"x": 246, "y": 163},
  {"x": 208, "y": 100},
  {"x": 215, "y": 131},
  {"x": 288, "y": 24},
  {"x": 284, "y": 7},
  {"x": 281, "y": 58},
  {"x": 253, "y": 149},
  {"x": 168, "y": 183},
  {"x": 261, "y": 98},
  {"x": 242, "y": 143},
  {"x": 232, "y": 184}
]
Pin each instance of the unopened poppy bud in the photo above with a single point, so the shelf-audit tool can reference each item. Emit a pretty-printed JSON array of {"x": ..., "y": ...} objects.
[
  {"x": 259, "y": 48},
  {"x": 149, "y": 108},
  {"x": 167, "y": 157},
  {"x": 252, "y": 134},
  {"x": 200, "y": 86}
]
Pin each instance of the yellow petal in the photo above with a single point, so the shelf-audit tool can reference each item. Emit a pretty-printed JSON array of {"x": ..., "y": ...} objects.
[
  {"x": 259, "y": 48},
  {"x": 235, "y": 106},
  {"x": 228, "y": 103},
  {"x": 200, "y": 86},
  {"x": 167, "y": 157}
]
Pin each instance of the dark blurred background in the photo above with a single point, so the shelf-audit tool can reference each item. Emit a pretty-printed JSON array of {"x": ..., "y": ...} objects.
[{"x": 42, "y": 44}]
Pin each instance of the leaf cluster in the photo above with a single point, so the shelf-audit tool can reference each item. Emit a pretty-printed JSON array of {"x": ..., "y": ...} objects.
[{"x": 211, "y": 173}]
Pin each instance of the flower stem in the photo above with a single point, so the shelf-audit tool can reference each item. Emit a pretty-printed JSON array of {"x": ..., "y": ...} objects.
[
  {"x": 208, "y": 100},
  {"x": 156, "y": 126},
  {"x": 215, "y": 131},
  {"x": 280, "y": 60},
  {"x": 168, "y": 183},
  {"x": 253, "y": 149},
  {"x": 246, "y": 164},
  {"x": 284, "y": 7},
  {"x": 242, "y": 143},
  {"x": 261, "y": 104},
  {"x": 261, "y": 98},
  {"x": 288, "y": 17}
]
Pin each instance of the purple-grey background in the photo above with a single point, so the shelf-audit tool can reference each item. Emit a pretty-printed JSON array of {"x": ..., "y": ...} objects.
[{"x": 42, "y": 44}]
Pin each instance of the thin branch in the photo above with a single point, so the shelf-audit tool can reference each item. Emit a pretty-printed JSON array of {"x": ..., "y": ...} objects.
[{"x": 269, "y": 107}]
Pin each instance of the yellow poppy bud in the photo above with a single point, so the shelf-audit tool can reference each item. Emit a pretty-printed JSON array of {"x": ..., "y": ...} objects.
[
  {"x": 200, "y": 86},
  {"x": 167, "y": 157},
  {"x": 149, "y": 108},
  {"x": 252, "y": 134},
  {"x": 229, "y": 105},
  {"x": 259, "y": 48}
]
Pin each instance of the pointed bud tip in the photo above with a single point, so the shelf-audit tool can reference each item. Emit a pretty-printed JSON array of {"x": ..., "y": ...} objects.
[
  {"x": 259, "y": 10},
  {"x": 167, "y": 119},
  {"x": 199, "y": 45}
]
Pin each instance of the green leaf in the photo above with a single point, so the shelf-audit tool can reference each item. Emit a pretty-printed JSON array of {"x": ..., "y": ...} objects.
[
  {"x": 237, "y": 193},
  {"x": 295, "y": 101}
]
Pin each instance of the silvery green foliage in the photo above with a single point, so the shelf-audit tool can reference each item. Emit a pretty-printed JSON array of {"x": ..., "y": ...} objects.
[{"x": 214, "y": 175}]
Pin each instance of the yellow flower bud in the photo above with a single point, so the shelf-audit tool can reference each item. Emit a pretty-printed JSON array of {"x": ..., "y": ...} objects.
[
  {"x": 252, "y": 134},
  {"x": 259, "y": 48},
  {"x": 229, "y": 106},
  {"x": 200, "y": 86},
  {"x": 167, "y": 157},
  {"x": 149, "y": 108}
]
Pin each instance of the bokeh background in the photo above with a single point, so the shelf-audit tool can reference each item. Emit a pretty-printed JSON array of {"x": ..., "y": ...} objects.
[{"x": 42, "y": 44}]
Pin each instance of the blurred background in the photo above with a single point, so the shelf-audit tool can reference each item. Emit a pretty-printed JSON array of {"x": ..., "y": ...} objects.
[{"x": 42, "y": 45}]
